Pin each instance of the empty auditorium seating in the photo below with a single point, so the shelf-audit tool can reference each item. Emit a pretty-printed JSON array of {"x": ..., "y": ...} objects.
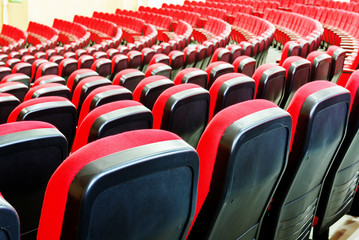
[
  {"x": 30, "y": 152},
  {"x": 16, "y": 77},
  {"x": 245, "y": 65},
  {"x": 49, "y": 79},
  {"x": 244, "y": 145},
  {"x": 66, "y": 67},
  {"x": 71, "y": 32},
  {"x": 270, "y": 82},
  {"x": 22, "y": 67},
  {"x": 49, "y": 89},
  {"x": 337, "y": 64},
  {"x": 110, "y": 119},
  {"x": 321, "y": 63},
  {"x": 17, "y": 89},
  {"x": 319, "y": 111},
  {"x": 216, "y": 69},
  {"x": 148, "y": 90},
  {"x": 229, "y": 89},
  {"x": 182, "y": 109},
  {"x": 165, "y": 181},
  {"x": 41, "y": 36},
  {"x": 79, "y": 75},
  {"x": 159, "y": 69},
  {"x": 12, "y": 37}
]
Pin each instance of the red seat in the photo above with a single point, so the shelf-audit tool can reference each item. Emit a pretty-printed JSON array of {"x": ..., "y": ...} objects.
[
  {"x": 291, "y": 48},
  {"x": 128, "y": 78},
  {"x": 245, "y": 65},
  {"x": 229, "y": 89},
  {"x": 163, "y": 181},
  {"x": 337, "y": 64},
  {"x": 101, "y": 96},
  {"x": 16, "y": 77},
  {"x": 58, "y": 111},
  {"x": 103, "y": 67},
  {"x": 8, "y": 103},
  {"x": 22, "y": 67},
  {"x": 242, "y": 147},
  {"x": 30, "y": 153},
  {"x": 66, "y": 67},
  {"x": 320, "y": 65},
  {"x": 319, "y": 111},
  {"x": 270, "y": 82},
  {"x": 110, "y": 119},
  {"x": 49, "y": 79},
  {"x": 134, "y": 59},
  {"x": 221, "y": 54},
  {"x": 49, "y": 89},
  {"x": 47, "y": 68},
  {"x": 77, "y": 76},
  {"x": 147, "y": 54},
  {"x": 298, "y": 74},
  {"x": 176, "y": 62},
  {"x": 192, "y": 75},
  {"x": 190, "y": 56},
  {"x": 160, "y": 58},
  {"x": 148, "y": 90},
  {"x": 159, "y": 69},
  {"x": 17, "y": 89},
  {"x": 56, "y": 59},
  {"x": 119, "y": 63},
  {"x": 216, "y": 69},
  {"x": 182, "y": 109},
  {"x": 85, "y": 61}
]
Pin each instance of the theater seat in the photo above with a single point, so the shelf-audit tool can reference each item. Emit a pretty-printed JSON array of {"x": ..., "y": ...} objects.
[
  {"x": 17, "y": 77},
  {"x": 30, "y": 152},
  {"x": 110, "y": 119},
  {"x": 176, "y": 62},
  {"x": 190, "y": 56},
  {"x": 291, "y": 48},
  {"x": 148, "y": 90},
  {"x": 128, "y": 78},
  {"x": 337, "y": 64},
  {"x": 341, "y": 183},
  {"x": 79, "y": 75},
  {"x": 103, "y": 67},
  {"x": 17, "y": 89},
  {"x": 182, "y": 109},
  {"x": 57, "y": 111},
  {"x": 229, "y": 89},
  {"x": 67, "y": 67},
  {"x": 221, "y": 54},
  {"x": 49, "y": 79},
  {"x": 9, "y": 221},
  {"x": 49, "y": 89},
  {"x": 101, "y": 96},
  {"x": 320, "y": 65},
  {"x": 85, "y": 61},
  {"x": 192, "y": 75},
  {"x": 119, "y": 63},
  {"x": 243, "y": 154},
  {"x": 160, "y": 58},
  {"x": 319, "y": 111},
  {"x": 24, "y": 68},
  {"x": 216, "y": 69},
  {"x": 147, "y": 54},
  {"x": 245, "y": 65},
  {"x": 47, "y": 68},
  {"x": 159, "y": 69},
  {"x": 8, "y": 103},
  {"x": 134, "y": 59},
  {"x": 298, "y": 74},
  {"x": 270, "y": 82},
  {"x": 159, "y": 165}
]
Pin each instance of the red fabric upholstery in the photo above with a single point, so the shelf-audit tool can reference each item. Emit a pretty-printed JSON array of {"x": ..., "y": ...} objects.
[
  {"x": 258, "y": 74},
  {"x": 83, "y": 130},
  {"x": 57, "y": 190},
  {"x": 178, "y": 79},
  {"x": 221, "y": 54},
  {"x": 331, "y": 50},
  {"x": 211, "y": 66},
  {"x": 31, "y": 102},
  {"x": 85, "y": 109},
  {"x": 238, "y": 61},
  {"x": 208, "y": 144},
  {"x": 299, "y": 98},
  {"x": 162, "y": 100},
  {"x": 311, "y": 56},
  {"x": 15, "y": 127}
]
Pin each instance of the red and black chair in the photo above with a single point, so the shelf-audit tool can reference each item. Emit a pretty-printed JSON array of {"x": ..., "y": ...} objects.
[
  {"x": 148, "y": 90},
  {"x": 243, "y": 154},
  {"x": 337, "y": 64},
  {"x": 110, "y": 119},
  {"x": 182, "y": 109},
  {"x": 270, "y": 82},
  {"x": 244, "y": 64},
  {"x": 229, "y": 89},
  {"x": 129, "y": 78},
  {"x": 103, "y": 67},
  {"x": 101, "y": 96},
  {"x": 9, "y": 221},
  {"x": 49, "y": 79},
  {"x": 8, "y": 103},
  {"x": 67, "y": 66},
  {"x": 162, "y": 181},
  {"x": 49, "y": 89},
  {"x": 192, "y": 75},
  {"x": 159, "y": 69},
  {"x": 221, "y": 54},
  {"x": 79, "y": 75},
  {"x": 119, "y": 63},
  {"x": 320, "y": 65},
  {"x": 17, "y": 77},
  {"x": 23, "y": 67},
  {"x": 147, "y": 54},
  {"x": 16, "y": 89},
  {"x": 190, "y": 56},
  {"x": 134, "y": 59},
  {"x": 341, "y": 182},
  {"x": 57, "y": 111},
  {"x": 160, "y": 58},
  {"x": 176, "y": 62},
  {"x": 30, "y": 152},
  {"x": 217, "y": 69},
  {"x": 319, "y": 112},
  {"x": 47, "y": 68},
  {"x": 85, "y": 61},
  {"x": 298, "y": 74}
]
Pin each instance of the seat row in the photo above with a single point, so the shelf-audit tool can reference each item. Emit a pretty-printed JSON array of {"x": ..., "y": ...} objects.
[
  {"x": 12, "y": 38},
  {"x": 339, "y": 30},
  {"x": 71, "y": 32},
  {"x": 248, "y": 146},
  {"x": 39, "y": 34}
]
